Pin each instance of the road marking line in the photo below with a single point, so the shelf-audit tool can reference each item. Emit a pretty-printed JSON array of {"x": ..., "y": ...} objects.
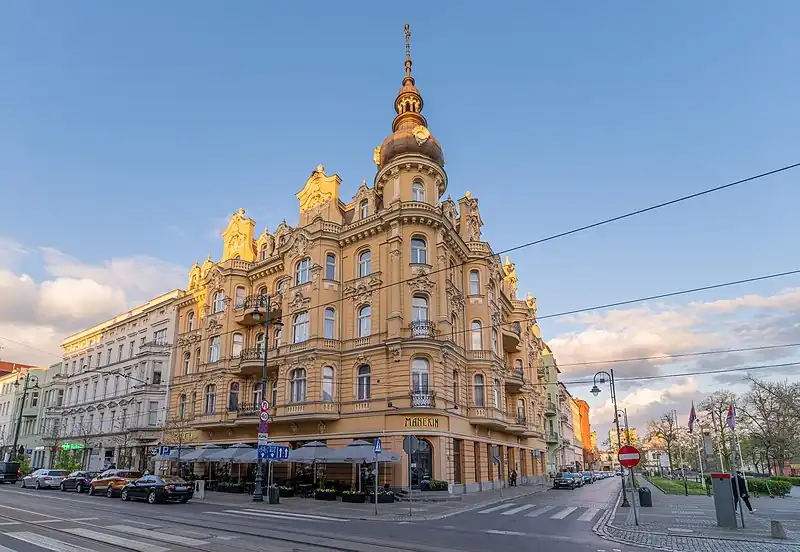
[
  {"x": 116, "y": 540},
  {"x": 47, "y": 521},
  {"x": 295, "y": 514},
  {"x": 540, "y": 511},
  {"x": 237, "y": 513},
  {"x": 155, "y": 535},
  {"x": 589, "y": 514},
  {"x": 497, "y": 532},
  {"x": 140, "y": 523},
  {"x": 226, "y": 537},
  {"x": 564, "y": 513},
  {"x": 27, "y": 511},
  {"x": 10, "y": 522},
  {"x": 495, "y": 508},
  {"x": 518, "y": 510},
  {"x": 46, "y": 542},
  {"x": 83, "y": 519},
  {"x": 4, "y": 549}
]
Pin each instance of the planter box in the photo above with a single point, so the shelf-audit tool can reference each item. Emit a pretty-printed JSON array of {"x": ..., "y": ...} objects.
[
  {"x": 382, "y": 499},
  {"x": 286, "y": 493},
  {"x": 429, "y": 490},
  {"x": 330, "y": 497},
  {"x": 234, "y": 490},
  {"x": 354, "y": 498}
]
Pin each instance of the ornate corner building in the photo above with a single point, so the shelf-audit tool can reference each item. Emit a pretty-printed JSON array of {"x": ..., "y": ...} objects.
[{"x": 389, "y": 317}]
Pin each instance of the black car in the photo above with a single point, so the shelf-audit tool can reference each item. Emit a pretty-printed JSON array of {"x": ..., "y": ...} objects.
[
  {"x": 77, "y": 481},
  {"x": 9, "y": 472},
  {"x": 567, "y": 480},
  {"x": 156, "y": 489}
]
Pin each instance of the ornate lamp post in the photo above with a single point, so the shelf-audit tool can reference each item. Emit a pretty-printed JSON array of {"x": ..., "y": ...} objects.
[{"x": 600, "y": 377}]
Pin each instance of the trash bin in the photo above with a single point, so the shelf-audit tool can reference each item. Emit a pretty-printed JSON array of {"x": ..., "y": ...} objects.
[
  {"x": 274, "y": 495},
  {"x": 645, "y": 497}
]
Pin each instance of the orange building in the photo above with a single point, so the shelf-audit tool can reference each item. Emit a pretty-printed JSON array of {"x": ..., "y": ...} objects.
[{"x": 589, "y": 444}]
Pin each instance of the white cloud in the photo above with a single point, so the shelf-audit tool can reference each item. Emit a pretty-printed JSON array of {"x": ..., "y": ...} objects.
[
  {"x": 788, "y": 299},
  {"x": 10, "y": 252},
  {"x": 79, "y": 300}
]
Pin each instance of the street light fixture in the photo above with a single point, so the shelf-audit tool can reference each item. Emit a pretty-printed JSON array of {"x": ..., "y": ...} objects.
[
  {"x": 35, "y": 385},
  {"x": 601, "y": 378}
]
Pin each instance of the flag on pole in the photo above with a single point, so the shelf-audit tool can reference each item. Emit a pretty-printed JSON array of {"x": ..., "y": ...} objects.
[
  {"x": 692, "y": 418},
  {"x": 731, "y": 419}
]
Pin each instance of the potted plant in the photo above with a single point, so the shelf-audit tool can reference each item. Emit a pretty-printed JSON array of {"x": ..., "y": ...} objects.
[
  {"x": 384, "y": 497},
  {"x": 353, "y": 496},
  {"x": 228, "y": 487},
  {"x": 325, "y": 494},
  {"x": 285, "y": 492},
  {"x": 433, "y": 485}
]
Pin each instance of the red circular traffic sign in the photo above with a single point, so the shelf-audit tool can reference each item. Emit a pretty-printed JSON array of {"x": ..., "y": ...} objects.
[{"x": 629, "y": 456}]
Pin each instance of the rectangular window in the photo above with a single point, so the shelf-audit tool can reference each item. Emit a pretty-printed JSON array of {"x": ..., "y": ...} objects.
[
  {"x": 34, "y": 398},
  {"x": 108, "y": 357},
  {"x": 160, "y": 337},
  {"x": 60, "y": 398},
  {"x": 330, "y": 266},
  {"x": 119, "y": 354},
  {"x": 94, "y": 390},
  {"x": 152, "y": 413},
  {"x": 130, "y": 349},
  {"x": 213, "y": 349},
  {"x": 156, "y": 373},
  {"x": 330, "y": 324}
]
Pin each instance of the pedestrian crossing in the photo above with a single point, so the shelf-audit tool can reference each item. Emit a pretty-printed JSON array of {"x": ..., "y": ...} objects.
[
  {"x": 253, "y": 513},
  {"x": 557, "y": 512}
]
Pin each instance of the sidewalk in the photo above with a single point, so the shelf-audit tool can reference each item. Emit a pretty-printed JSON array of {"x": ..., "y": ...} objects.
[
  {"x": 688, "y": 523},
  {"x": 397, "y": 511}
]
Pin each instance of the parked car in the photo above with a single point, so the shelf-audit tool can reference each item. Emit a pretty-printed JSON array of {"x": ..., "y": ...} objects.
[
  {"x": 77, "y": 481},
  {"x": 44, "y": 479},
  {"x": 9, "y": 472},
  {"x": 111, "y": 482},
  {"x": 157, "y": 489},
  {"x": 587, "y": 477},
  {"x": 567, "y": 480}
]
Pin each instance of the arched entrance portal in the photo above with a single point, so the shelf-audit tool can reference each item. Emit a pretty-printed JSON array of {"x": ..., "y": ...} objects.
[{"x": 422, "y": 462}]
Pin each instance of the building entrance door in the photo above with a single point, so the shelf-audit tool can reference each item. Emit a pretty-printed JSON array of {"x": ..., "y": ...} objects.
[{"x": 423, "y": 460}]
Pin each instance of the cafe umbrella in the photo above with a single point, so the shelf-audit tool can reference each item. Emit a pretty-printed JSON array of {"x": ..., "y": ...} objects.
[{"x": 230, "y": 454}]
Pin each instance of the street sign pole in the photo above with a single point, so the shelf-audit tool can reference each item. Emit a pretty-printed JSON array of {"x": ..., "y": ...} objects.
[
  {"x": 258, "y": 491},
  {"x": 378, "y": 450},
  {"x": 629, "y": 457}
]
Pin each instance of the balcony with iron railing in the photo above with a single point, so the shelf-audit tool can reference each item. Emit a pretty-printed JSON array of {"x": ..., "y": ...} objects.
[
  {"x": 515, "y": 379},
  {"x": 512, "y": 337},
  {"x": 492, "y": 418},
  {"x": 251, "y": 311},
  {"x": 422, "y": 399},
  {"x": 518, "y": 424},
  {"x": 423, "y": 329},
  {"x": 551, "y": 438},
  {"x": 550, "y": 409}
]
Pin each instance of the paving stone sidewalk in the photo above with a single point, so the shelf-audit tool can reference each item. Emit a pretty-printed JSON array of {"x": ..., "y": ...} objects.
[
  {"x": 688, "y": 524},
  {"x": 397, "y": 511}
]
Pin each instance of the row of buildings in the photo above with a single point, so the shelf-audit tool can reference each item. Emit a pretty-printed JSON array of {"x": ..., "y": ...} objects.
[{"x": 383, "y": 315}]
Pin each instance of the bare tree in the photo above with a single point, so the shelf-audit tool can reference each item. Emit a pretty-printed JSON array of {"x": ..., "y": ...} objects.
[
  {"x": 52, "y": 437},
  {"x": 178, "y": 432},
  {"x": 716, "y": 406},
  {"x": 666, "y": 427},
  {"x": 123, "y": 440},
  {"x": 768, "y": 415}
]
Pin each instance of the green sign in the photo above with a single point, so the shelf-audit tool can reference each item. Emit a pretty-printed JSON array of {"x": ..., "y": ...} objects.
[{"x": 72, "y": 446}]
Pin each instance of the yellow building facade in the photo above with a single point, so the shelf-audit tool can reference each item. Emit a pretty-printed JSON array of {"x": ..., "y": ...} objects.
[{"x": 389, "y": 317}]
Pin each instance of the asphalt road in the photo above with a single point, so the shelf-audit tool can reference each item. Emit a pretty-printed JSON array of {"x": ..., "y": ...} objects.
[{"x": 33, "y": 521}]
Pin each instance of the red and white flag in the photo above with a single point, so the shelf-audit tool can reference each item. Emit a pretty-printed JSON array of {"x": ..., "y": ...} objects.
[{"x": 731, "y": 419}]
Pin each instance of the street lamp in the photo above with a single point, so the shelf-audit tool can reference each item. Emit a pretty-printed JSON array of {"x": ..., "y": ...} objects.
[
  {"x": 601, "y": 378},
  {"x": 258, "y": 491},
  {"x": 35, "y": 385}
]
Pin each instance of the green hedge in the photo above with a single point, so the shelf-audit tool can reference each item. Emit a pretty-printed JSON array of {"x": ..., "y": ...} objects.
[
  {"x": 776, "y": 485},
  {"x": 795, "y": 481}
]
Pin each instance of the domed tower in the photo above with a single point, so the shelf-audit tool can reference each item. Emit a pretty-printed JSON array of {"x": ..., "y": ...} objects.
[{"x": 410, "y": 161}]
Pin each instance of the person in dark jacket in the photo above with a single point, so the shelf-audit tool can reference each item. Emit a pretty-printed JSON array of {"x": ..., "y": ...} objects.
[{"x": 740, "y": 490}]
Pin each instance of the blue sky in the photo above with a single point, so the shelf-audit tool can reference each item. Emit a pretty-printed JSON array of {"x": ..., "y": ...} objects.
[{"x": 134, "y": 129}]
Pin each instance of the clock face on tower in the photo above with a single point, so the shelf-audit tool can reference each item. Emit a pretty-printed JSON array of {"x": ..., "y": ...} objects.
[{"x": 421, "y": 134}]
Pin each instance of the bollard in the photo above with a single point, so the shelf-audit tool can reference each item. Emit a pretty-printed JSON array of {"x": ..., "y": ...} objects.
[{"x": 778, "y": 530}]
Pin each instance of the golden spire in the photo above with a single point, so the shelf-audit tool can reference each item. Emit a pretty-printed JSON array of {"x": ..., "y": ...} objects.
[{"x": 408, "y": 50}]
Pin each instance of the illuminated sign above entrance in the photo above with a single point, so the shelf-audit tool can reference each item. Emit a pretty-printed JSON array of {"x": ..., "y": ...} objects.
[
  {"x": 72, "y": 446},
  {"x": 421, "y": 421}
]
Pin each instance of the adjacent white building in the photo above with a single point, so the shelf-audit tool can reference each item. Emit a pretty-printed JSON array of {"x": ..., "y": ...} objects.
[
  {"x": 11, "y": 386},
  {"x": 115, "y": 378}
]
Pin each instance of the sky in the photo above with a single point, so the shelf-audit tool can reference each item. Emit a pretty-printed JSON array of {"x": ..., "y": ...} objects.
[{"x": 129, "y": 132}]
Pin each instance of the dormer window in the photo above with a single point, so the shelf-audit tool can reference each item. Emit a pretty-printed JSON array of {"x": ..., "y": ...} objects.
[{"x": 363, "y": 209}]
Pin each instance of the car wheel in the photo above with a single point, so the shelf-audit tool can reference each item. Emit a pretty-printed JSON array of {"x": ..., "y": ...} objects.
[
  {"x": 110, "y": 492},
  {"x": 151, "y": 497},
  {"x": 124, "y": 496},
  {"x": 91, "y": 490},
  {"x": 63, "y": 488},
  {"x": 79, "y": 488},
  {"x": 37, "y": 485}
]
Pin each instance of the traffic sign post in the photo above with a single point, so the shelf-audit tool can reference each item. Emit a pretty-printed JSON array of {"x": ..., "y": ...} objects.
[
  {"x": 273, "y": 452},
  {"x": 629, "y": 457},
  {"x": 378, "y": 450}
]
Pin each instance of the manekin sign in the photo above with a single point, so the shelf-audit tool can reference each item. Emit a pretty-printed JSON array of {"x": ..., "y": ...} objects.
[{"x": 422, "y": 421}]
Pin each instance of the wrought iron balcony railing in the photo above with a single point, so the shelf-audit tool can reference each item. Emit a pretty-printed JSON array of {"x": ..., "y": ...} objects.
[
  {"x": 421, "y": 399},
  {"x": 423, "y": 328}
]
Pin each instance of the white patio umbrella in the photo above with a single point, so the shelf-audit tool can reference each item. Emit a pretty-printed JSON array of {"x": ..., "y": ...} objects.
[
  {"x": 230, "y": 454},
  {"x": 200, "y": 454}
]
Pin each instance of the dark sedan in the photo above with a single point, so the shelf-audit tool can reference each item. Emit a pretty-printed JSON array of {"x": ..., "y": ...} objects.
[
  {"x": 566, "y": 480},
  {"x": 77, "y": 481},
  {"x": 156, "y": 489}
]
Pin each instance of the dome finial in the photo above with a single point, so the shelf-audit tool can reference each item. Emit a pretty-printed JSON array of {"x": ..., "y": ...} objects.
[{"x": 408, "y": 50}]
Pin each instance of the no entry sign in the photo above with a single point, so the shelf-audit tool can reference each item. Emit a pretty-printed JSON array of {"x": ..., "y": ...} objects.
[{"x": 629, "y": 456}]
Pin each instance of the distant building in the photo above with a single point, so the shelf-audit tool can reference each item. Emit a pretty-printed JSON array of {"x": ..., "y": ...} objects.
[{"x": 632, "y": 437}]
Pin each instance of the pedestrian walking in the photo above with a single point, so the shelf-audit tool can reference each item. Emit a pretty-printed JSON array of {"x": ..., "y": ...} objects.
[{"x": 740, "y": 491}]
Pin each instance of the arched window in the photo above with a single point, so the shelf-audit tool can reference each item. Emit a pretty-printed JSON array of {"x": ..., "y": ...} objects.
[
  {"x": 363, "y": 209},
  {"x": 297, "y": 392},
  {"x": 197, "y": 359},
  {"x": 419, "y": 376},
  {"x": 497, "y": 393},
  {"x": 494, "y": 341},
  {"x": 363, "y": 388},
  {"x": 478, "y": 393},
  {"x": 327, "y": 383},
  {"x": 182, "y": 407},
  {"x": 329, "y": 327},
  {"x": 364, "y": 321},
  {"x": 239, "y": 296},
  {"x": 213, "y": 349},
  {"x": 456, "y": 394},
  {"x": 233, "y": 396},
  {"x": 280, "y": 286},
  {"x": 474, "y": 283},
  {"x": 417, "y": 191},
  {"x": 477, "y": 343},
  {"x": 303, "y": 271},
  {"x": 193, "y": 404},
  {"x": 263, "y": 252},
  {"x": 365, "y": 263},
  {"x": 419, "y": 308},
  {"x": 518, "y": 367},
  {"x": 189, "y": 321},
  {"x": 300, "y": 327},
  {"x": 262, "y": 295},
  {"x": 520, "y": 411},
  {"x": 256, "y": 394},
  {"x": 210, "y": 403},
  {"x": 237, "y": 344},
  {"x": 274, "y": 393},
  {"x": 187, "y": 363},
  {"x": 219, "y": 302},
  {"x": 454, "y": 336},
  {"x": 330, "y": 266},
  {"x": 260, "y": 342},
  {"x": 419, "y": 250},
  {"x": 278, "y": 336}
]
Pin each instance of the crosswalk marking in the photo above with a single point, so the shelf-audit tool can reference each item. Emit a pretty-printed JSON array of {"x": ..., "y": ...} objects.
[
  {"x": 298, "y": 515},
  {"x": 155, "y": 535},
  {"x": 4, "y": 549},
  {"x": 589, "y": 514},
  {"x": 518, "y": 510},
  {"x": 564, "y": 513},
  {"x": 496, "y": 508},
  {"x": 279, "y": 515},
  {"x": 116, "y": 540},
  {"x": 540, "y": 511},
  {"x": 46, "y": 542}
]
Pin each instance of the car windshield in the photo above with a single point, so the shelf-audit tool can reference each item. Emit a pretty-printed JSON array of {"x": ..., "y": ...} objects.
[
  {"x": 130, "y": 474},
  {"x": 587, "y": 473},
  {"x": 173, "y": 480},
  {"x": 567, "y": 475},
  {"x": 58, "y": 473}
]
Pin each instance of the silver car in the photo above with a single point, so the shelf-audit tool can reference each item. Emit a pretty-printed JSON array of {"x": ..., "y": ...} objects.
[{"x": 44, "y": 479}]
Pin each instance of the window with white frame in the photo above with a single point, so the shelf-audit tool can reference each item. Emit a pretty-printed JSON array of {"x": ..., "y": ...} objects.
[
  {"x": 237, "y": 344},
  {"x": 364, "y": 263},
  {"x": 478, "y": 392},
  {"x": 417, "y": 191},
  {"x": 278, "y": 337},
  {"x": 330, "y": 266},
  {"x": 297, "y": 384},
  {"x": 274, "y": 393},
  {"x": 363, "y": 209},
  {"x": 456, "y": 397},
  {"x": 159, "y": 338},
  {"x": 302, "y": 272},
  {"x": 239, "y": 296},
  {"x": 256, "y": 396},
  {"x": 419, "y": 375},
  {"x": 364, "y": 321},
  {"x": 300, "y": 327},
  {"x": 419, "y": 308},
  {"x": 213, "y": 349},
  {"x": 497, "y": 394},
  {"x": 260, "y": 341},
  {"x": 187, "y": 363},
  {"x": 219, "y": 302},
  {"x": 329, "y": 326},
  {"x": 363, "y": 383},
  {"x": 152, "y": 413},
  {"x": 474, "y": 282},
  {"x": 157, "y": 373},
  {"x": 210, "y": 400},
  {"x": 190, "y": 322},
  {"x": 233, "y": 396},
  {"x": 477, "y": 342},
  {"x": 327, "y": 383},
  {"x": 419, "y": 250}
]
